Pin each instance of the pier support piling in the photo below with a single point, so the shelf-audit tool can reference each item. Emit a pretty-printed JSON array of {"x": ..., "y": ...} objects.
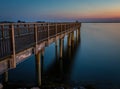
[
  {"x": 69, "y": 39},
  {"x": 61, "y": 48},
  {"x": 72, "y": 36},
  {"x": 78, "y": 33},
  {"x": 42, "y": 52},
  {"x": 13, "y": 59},
  {"x": 5, "y": 77},
  {"x": 38, "y": 68},
  {"x": 56, "y": 43},
  {"x": 72, "y": 40}
]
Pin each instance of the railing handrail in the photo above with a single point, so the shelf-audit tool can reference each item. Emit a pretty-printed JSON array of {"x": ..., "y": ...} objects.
[
  {"x": 38, "y": 23},
  {"x": 47, "y": 30}
]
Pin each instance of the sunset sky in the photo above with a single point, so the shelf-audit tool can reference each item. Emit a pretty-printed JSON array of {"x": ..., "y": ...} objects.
[{"x": 58, "y": 10}]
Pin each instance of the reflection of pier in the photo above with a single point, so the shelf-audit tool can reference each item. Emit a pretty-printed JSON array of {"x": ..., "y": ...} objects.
[
  {"x": 59, "y": 68},
  {"x": 22, "y": 40}
]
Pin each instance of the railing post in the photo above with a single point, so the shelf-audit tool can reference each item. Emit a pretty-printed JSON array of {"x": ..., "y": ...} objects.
[
  {"x": 65, "y": 28},
  {"x": 28, "y": 27},
  {"x": 48, "y": 31},
  {"x": 18, "y": 30},
  {"x": 61, "y": 28},
  {"x": 2, "y": 27},
  {"x": 12, "y": 36},
  {"x": 56, "y": 29},
  {"x": 36, "y": 38}
]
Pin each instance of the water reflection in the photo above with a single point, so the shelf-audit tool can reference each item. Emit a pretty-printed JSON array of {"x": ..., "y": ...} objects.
[
  {"x": 92, "y": 61},
  {"x": 59, "y": 72}
]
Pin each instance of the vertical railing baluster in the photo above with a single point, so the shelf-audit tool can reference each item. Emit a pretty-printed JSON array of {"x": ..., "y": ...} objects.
[
  {"x": 56, "y": 28},
  {"x": 61, "y": 28},
  {"x": 36, "y": 37},
  {"x": 2, "y": 28},
  {"x": 12, "y": 36},
  {"x": 65, "y": 28},
  {"x": 48, "y": 30},
  {"x": 28, "y": 27},
  {"x": 18, "y": 29},
  {"x": 2, "y": 48}
]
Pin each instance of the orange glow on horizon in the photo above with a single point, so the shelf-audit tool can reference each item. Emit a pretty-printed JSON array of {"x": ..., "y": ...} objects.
[{"x": 105, "y": 12}]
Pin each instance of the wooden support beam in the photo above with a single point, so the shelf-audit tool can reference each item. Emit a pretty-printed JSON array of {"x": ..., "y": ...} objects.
[
  {"x": 12, "y": 36},
  {"x": 36, "y": 38},
  {"x": 72, "y": 39},
  {"x": 5, "y": 77},
  {"x": 2, "y": 27},
  {"x": 56, "y": 28},
  {"x": 61, "y": 28},
  {"x": 56, "y": 52},
  {"x": 42, "y": 52},
  {"x": 48, "y": 30},
  {"x": 61, "y": 48},
  {"x": 18, "y": 30},
  {"x": 69, "y": 39},
  {"x": 77, "y": 35},
  {"x": 38, "y": 68},
  {"x": 79, "y": 32},
  {"x": 56, "y": 43},
  {"x": 72, "y": 36}
]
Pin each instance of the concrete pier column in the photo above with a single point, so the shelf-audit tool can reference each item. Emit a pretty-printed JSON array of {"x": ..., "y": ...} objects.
[
  {"x": 69, "y": 39},
  {"x": 61, "y": 48},
  {"x": 38, "y": 67}
]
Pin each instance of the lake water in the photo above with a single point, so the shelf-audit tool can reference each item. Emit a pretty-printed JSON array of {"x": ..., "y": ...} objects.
[{"x": 93, "y": 62}]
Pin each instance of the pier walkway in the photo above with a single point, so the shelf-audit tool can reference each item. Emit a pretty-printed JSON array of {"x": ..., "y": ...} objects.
[{"x": 19, "y": 41}]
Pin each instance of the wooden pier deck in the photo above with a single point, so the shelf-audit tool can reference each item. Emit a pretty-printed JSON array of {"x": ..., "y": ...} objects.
[{"x": 20, "y": 40}]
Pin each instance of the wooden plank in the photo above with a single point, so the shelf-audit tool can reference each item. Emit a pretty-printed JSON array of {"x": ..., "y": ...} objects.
[{"x": 12, "y": 35}]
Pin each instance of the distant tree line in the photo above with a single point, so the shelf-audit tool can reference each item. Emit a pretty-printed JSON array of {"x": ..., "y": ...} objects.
[{"x": 20, "y": 21}]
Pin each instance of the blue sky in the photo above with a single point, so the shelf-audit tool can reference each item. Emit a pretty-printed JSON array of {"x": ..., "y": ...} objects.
[{"x": 34, "y": 10}]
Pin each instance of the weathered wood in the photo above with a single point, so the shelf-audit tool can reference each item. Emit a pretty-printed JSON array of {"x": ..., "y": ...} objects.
[
  {"x": 13, "y": 60},
  {"x": 17, "y": 37},
  {"x": 36, "y": 38},
  {"x": 72, "y": 36},
  {"x": 38, "y": 68},
  {"x": 2, "y": 28},
  {"x": 48, "y": 30},
  {"x": 61, "y": 48},
  {"x": 69, "y": 39}
]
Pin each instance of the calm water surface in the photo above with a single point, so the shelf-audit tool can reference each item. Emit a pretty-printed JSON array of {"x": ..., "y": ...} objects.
[{"x": 93, "y": 61}]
